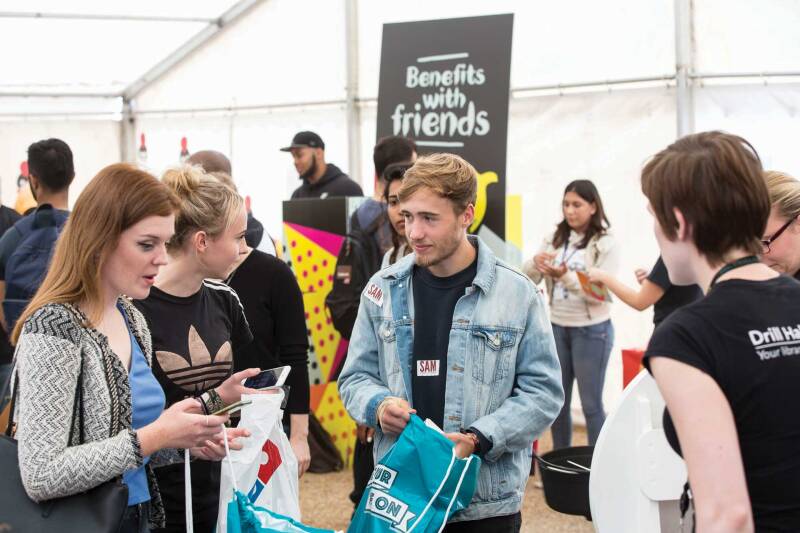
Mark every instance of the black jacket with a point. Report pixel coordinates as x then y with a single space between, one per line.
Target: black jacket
333 183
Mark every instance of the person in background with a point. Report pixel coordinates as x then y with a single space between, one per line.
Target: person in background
393 176
273 305
727 365
655 289
388 151
80 332
581 323
781 240
198 325
320 179
213 162
51 172
466 303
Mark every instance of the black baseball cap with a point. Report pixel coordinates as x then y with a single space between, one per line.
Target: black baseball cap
305 139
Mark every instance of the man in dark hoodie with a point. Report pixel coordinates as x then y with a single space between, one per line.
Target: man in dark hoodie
320 179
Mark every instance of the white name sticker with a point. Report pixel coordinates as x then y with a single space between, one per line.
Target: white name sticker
428 368
374 294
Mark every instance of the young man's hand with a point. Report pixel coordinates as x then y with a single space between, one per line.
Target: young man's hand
393 415
465 446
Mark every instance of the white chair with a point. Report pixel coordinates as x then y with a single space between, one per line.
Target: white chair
636 477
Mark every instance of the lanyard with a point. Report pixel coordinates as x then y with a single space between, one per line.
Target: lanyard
564 257
743 261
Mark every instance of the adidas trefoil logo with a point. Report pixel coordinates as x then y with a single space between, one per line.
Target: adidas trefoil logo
201 372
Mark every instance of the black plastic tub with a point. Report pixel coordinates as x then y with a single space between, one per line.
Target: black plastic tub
566 486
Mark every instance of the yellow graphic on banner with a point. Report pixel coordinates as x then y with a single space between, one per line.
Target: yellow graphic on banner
514 220
482 199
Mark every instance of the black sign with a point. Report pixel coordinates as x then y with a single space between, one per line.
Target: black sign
445 84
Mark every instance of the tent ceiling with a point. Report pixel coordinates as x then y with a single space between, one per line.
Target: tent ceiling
48 52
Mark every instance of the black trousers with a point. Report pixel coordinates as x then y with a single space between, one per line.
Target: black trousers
363 465
496 524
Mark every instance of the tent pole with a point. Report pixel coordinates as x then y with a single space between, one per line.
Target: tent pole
353 112
233 14
127 133
684 63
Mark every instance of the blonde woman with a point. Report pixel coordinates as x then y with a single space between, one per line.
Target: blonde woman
781 241
197 325
79 334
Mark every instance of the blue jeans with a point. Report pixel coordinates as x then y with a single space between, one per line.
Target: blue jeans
583 352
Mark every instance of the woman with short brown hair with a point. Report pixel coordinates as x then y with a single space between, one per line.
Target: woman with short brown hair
727 365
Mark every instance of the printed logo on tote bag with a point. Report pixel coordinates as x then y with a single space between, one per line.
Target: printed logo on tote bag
389 508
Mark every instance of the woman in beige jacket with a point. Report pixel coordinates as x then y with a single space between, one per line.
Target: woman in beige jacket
581 322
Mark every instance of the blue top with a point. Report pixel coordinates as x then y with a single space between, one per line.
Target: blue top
148 401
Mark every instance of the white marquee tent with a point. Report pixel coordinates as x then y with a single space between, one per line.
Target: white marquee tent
596 87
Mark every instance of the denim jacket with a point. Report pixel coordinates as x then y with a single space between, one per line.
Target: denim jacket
503 376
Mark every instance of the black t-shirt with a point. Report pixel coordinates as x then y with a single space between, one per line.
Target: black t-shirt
675 296
194 342
434 302
273 305
746 336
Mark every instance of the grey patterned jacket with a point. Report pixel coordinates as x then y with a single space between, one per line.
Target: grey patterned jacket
48 356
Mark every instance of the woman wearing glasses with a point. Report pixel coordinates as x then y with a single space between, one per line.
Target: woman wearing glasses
781 240
727 365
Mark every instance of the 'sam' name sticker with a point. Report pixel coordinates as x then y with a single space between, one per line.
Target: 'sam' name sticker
428 367
374 294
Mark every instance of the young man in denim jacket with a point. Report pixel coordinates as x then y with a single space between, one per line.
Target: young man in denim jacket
453 334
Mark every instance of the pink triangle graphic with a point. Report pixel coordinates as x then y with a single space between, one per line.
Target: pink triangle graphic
330 241
341 353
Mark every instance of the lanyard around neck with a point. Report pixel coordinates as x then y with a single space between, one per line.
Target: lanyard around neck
742 261
564 256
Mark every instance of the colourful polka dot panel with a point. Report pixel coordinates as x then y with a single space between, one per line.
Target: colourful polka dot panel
329 410
312 254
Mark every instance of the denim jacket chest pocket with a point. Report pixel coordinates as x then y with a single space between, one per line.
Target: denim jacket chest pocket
387 334
492 351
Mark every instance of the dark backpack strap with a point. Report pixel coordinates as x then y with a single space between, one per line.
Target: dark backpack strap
43 217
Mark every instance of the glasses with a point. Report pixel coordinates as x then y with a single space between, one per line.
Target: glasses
765 243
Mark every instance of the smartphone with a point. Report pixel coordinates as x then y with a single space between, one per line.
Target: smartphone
274 377
232 408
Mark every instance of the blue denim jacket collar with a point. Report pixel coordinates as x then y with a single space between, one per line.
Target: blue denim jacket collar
484 278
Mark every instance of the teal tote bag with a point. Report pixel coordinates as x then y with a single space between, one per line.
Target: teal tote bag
417 486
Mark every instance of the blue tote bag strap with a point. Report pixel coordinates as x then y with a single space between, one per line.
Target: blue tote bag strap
457 489
446 476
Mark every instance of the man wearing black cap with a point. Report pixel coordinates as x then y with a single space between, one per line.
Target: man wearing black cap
320 179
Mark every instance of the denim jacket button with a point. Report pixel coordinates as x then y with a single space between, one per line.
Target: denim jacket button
496 340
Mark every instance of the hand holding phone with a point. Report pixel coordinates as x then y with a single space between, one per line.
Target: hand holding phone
273 377
232 408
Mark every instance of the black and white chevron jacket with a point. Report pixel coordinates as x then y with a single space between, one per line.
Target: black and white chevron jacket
47 360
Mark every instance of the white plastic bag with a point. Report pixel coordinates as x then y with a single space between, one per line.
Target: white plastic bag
265 469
